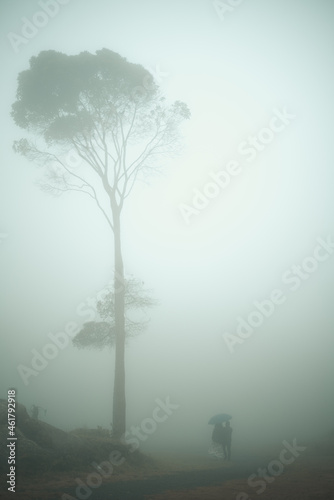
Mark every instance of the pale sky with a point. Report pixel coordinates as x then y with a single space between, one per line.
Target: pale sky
263 59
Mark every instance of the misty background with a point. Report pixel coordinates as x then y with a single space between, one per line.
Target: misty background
56 253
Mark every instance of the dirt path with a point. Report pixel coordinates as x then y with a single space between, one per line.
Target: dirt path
310 477
141 489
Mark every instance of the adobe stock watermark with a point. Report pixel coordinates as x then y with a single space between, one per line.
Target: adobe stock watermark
293 278
156 75
148 426
31 27
60 340
94 479
223 8
275 468
69 161
250 149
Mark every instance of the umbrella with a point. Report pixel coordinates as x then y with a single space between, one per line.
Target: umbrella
219 418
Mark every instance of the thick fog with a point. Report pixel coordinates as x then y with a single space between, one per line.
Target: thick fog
234 237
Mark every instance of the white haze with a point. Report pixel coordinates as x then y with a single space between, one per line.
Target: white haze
233 74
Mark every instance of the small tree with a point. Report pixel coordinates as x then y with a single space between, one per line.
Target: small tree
102 333
111 114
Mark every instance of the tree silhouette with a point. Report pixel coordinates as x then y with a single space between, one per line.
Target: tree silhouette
112 115
102 334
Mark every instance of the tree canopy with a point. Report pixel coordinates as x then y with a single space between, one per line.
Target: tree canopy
109 110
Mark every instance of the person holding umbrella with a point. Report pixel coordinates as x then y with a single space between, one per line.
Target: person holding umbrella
221 436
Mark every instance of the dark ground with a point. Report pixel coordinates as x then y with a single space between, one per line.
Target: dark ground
50 462
309 478
182 480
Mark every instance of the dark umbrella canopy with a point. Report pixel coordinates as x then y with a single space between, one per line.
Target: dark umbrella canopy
219 418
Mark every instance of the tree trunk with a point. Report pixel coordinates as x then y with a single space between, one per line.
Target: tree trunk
119 292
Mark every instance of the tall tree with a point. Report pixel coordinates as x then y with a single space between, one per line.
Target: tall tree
111 113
